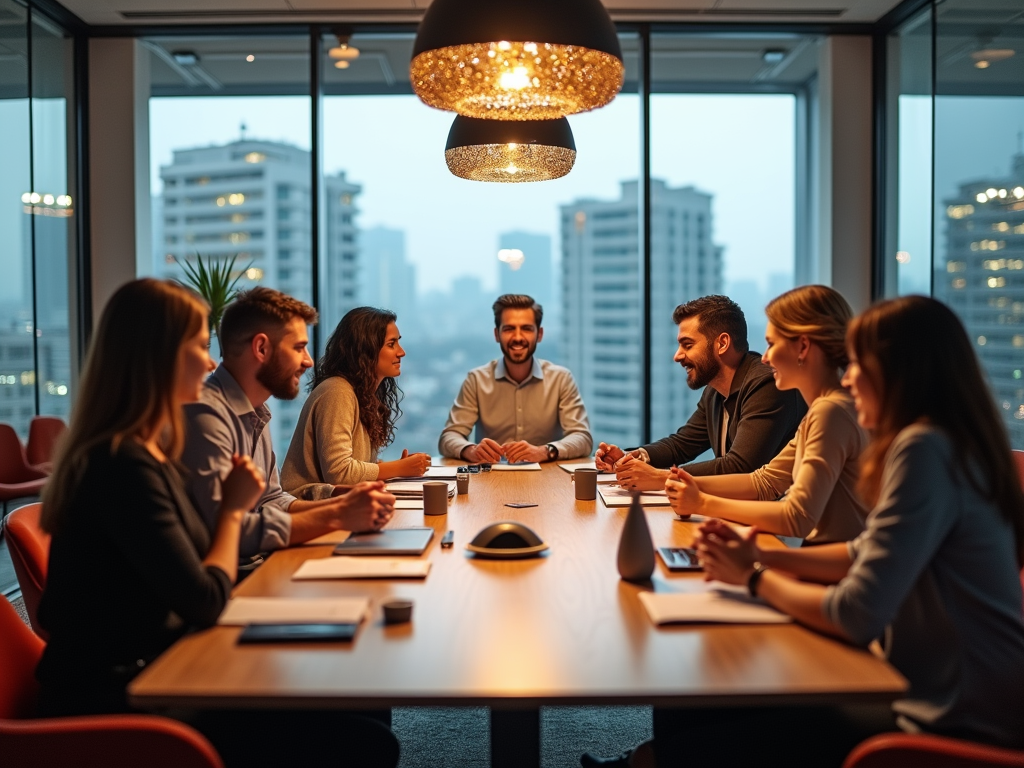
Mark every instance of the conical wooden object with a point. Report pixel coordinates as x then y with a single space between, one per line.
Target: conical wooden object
636 550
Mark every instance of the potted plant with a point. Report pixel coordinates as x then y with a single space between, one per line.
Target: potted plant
212 280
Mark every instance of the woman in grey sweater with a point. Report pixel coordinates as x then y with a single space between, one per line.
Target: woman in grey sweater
936 575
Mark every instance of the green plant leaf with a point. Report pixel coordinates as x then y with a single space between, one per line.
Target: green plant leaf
212 279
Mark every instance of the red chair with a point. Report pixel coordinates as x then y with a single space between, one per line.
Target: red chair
1018 458
43 433
910 750
30 552
113 741
17 479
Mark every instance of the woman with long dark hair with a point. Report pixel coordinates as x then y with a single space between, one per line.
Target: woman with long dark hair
350 414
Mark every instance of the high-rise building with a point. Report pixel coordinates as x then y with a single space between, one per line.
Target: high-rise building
601 303
388 279
982 279
250 200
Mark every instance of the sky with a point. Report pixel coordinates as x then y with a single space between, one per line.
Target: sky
738 148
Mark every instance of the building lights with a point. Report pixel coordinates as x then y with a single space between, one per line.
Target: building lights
46 204
903 257
996 282
250 58
254 273
982 341
960 211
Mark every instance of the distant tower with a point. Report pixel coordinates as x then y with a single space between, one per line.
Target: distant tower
601 303
982 279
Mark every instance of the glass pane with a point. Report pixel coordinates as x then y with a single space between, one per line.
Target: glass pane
909 158
426 243
17 370
230 166
723 143
979 189
53 223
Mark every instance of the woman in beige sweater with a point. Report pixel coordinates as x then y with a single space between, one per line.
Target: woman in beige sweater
352 407
809 489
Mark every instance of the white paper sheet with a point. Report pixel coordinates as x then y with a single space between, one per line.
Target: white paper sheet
570 468
721 605
294 610
431 473
515 467
363 568
614 496
415 487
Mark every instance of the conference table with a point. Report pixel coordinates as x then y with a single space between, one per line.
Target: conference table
515 635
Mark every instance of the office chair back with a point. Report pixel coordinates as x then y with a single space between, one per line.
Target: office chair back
113 741
912 750
14 466
30 552
43 433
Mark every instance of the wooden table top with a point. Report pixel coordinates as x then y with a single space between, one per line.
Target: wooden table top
560 629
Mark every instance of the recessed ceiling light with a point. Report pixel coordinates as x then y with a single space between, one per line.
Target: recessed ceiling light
986 57
341 64
250 57
185 58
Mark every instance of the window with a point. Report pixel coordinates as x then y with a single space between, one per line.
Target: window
723 210
234 136
428 242
37 218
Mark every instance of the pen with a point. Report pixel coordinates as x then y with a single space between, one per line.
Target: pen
448 540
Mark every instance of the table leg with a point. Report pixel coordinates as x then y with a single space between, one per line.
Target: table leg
515 738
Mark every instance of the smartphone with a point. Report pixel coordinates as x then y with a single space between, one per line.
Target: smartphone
680 558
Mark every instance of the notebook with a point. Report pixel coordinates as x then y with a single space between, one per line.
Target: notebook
722 605
614 496
362 568
391 541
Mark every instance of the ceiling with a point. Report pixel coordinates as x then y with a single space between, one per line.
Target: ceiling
119 12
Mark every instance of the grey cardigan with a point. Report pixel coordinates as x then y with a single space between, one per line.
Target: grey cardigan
935 576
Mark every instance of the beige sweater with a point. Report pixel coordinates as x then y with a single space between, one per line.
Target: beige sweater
818 472
330 444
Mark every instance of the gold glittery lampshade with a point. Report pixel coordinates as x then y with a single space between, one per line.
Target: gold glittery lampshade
510 151
524 60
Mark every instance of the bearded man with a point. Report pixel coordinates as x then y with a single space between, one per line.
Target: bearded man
263 339
523 408
741 415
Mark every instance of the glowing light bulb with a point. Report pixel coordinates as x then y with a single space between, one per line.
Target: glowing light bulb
341 64
982 64
515 80
48 199
511 168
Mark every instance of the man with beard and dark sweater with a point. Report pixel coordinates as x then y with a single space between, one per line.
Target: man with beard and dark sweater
741 415
263 340
524 409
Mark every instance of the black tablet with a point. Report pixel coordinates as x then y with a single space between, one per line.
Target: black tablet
297 633
390 541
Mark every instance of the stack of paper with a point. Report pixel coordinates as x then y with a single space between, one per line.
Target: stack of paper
723 605
521 466
362 568
413 489
431 473
615 496
294 610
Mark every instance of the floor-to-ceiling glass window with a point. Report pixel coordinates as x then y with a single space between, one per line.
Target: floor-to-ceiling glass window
37 208
231 171
723 185
17 368
979 188
438 249
907 265
53 215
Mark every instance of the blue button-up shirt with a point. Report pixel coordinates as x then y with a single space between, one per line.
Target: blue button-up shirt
220 425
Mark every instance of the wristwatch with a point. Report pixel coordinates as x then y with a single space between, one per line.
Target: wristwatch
552 452
755 578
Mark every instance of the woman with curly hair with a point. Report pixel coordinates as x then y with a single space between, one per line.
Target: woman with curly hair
352 408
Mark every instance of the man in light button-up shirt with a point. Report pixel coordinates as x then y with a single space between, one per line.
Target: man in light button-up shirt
523 408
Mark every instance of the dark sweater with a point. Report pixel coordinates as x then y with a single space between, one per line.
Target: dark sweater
761 421
125 580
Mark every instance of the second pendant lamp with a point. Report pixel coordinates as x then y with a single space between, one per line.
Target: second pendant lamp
510 151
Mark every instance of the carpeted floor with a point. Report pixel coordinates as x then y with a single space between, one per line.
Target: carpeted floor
458 738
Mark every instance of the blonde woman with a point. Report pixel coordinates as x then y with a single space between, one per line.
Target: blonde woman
809 489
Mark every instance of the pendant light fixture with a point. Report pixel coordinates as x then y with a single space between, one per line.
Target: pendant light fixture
510 151
523 60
